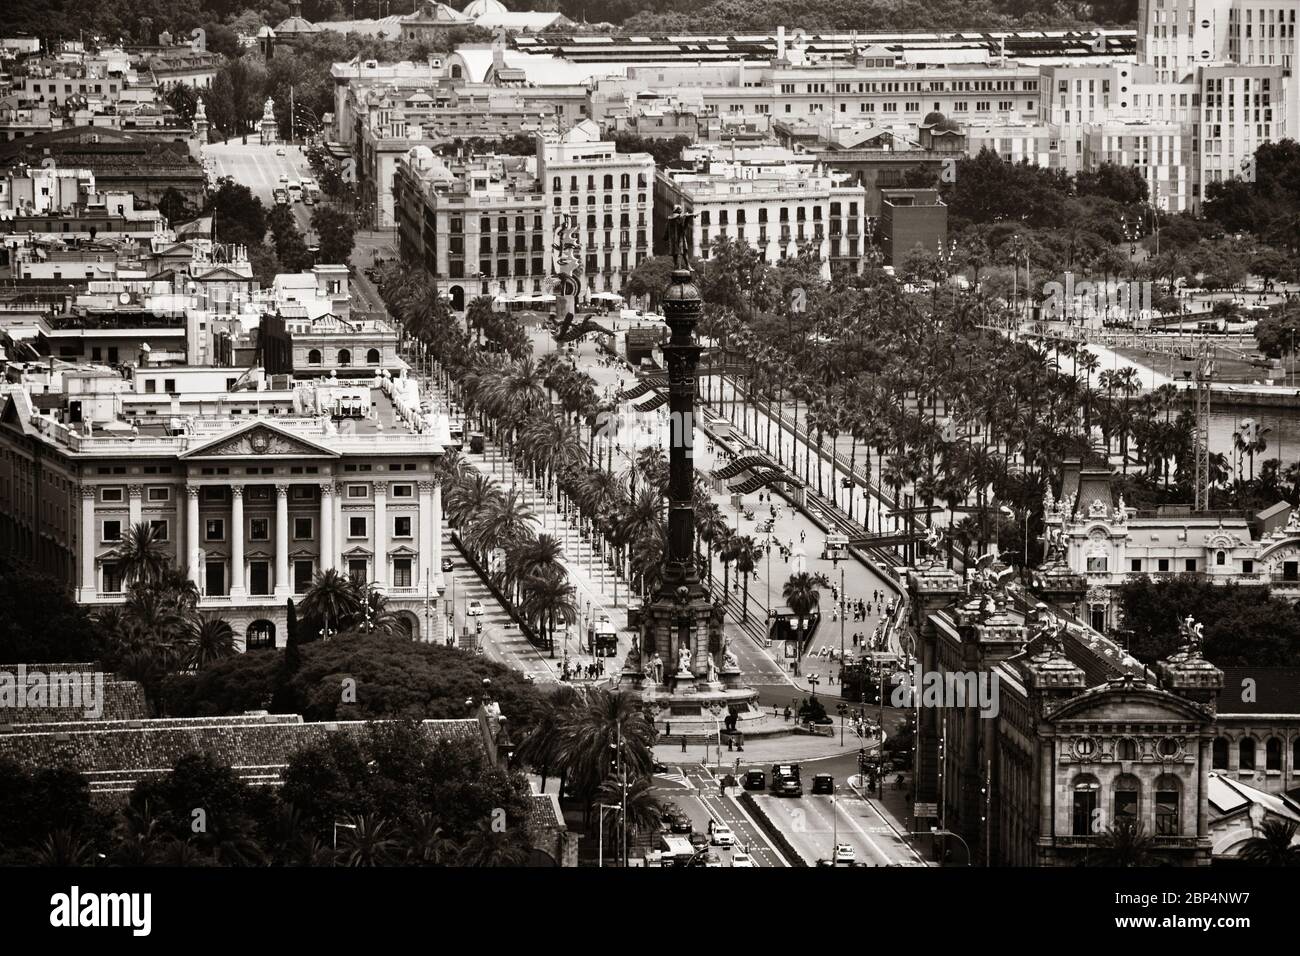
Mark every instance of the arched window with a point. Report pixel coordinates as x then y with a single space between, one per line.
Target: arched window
1169 791
455 69
1126 748
345 357
1219 754
1128 790
313 357
625 181
1273 753
1086 789
1246 753
609 181
372 357
555 183
1220 558
640 180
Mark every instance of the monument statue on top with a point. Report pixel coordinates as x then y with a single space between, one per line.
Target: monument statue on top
680 235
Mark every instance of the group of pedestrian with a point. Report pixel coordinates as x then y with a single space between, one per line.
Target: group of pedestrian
578 671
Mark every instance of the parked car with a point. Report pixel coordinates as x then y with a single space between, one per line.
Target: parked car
710 859
844 855
743 859
475 609
699 840
720 834
279 151
448 564
823 783
660 767
755 780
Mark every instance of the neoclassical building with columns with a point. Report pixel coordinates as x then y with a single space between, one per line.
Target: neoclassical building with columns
252 506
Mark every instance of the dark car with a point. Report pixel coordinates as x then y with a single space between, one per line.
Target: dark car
447 564
660 767
677 821
755 780
787 785
699 840
823 783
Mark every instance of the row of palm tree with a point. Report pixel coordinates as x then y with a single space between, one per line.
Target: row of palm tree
138 838
598 743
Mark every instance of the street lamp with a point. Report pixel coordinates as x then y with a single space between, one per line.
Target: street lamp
842 709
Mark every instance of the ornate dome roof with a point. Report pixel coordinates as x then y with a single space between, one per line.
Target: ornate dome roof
932 119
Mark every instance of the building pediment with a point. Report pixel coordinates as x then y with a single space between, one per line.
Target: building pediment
260 439
405 551
1138 703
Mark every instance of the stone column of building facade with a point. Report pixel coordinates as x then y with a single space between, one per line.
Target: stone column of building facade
379 574
1046 792
437 526
237 541
179 538
283 586
427 569
134 496
326 531
192 531
89 540
338 543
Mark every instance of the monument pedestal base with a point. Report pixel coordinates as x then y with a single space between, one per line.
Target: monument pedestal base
687 710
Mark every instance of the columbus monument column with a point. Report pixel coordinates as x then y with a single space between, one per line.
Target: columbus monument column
680 628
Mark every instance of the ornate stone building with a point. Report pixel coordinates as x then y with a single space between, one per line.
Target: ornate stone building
1096 536
1079 737
252 509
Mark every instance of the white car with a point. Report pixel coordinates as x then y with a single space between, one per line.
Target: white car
844 855
720 834
475 609
279 151
743 859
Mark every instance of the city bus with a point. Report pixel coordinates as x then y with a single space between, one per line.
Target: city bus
603 638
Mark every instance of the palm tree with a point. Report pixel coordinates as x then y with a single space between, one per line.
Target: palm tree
644 808
1275 845
545 600
589 737
210 639
331 601
63 847
540 749
747 553
142 555
367 841
1126 844
490 847
424 842
503 520
801 595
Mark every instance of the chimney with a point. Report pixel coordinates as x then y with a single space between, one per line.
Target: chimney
780 43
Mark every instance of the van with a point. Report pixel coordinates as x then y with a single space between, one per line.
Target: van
675 850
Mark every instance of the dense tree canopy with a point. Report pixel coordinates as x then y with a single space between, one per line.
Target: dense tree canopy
39 622
395 677
1243 625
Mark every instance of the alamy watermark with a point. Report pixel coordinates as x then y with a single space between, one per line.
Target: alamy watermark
26 688
1106 298
948 689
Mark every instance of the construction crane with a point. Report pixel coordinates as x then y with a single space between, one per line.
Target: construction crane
1204 376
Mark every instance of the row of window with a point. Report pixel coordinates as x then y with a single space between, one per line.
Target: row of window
259 529
344 357
259 578
624 182
1247 749
1126 792
1100 563
114 494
